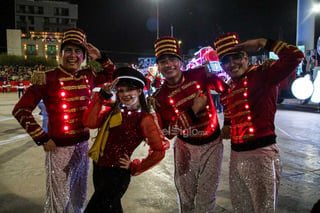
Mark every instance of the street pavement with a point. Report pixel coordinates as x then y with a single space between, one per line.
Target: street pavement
22 174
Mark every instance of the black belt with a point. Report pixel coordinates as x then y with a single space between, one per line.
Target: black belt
254 144
198 142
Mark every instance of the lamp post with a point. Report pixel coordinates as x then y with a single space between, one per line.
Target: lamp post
157 3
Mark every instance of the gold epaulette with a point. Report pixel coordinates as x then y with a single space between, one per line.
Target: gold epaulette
267 63
38 78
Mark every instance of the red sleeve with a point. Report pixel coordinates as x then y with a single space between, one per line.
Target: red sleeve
93 116
106 74
157 144
289 59
22 111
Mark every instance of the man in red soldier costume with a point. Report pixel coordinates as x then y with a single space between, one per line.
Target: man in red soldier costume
187 111
249 109
66 92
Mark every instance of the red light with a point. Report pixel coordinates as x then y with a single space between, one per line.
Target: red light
245 94
87 81
65 128
65 117
176 110
207 106
198 86
89 90
61 83
212 125
245 83
251 130
249 118
171 101
64 106
210 115
62 94
246 106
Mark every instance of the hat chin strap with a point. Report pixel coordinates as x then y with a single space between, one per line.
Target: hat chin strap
129 106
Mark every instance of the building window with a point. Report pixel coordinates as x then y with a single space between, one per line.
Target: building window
46 20
64 11
56 11
31 19
31 9
21 8
51 50
65 21
23 19
40 10
31 49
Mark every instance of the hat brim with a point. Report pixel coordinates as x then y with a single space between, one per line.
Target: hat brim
80 45
230 53
168 54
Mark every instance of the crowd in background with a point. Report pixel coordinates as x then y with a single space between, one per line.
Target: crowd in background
14 73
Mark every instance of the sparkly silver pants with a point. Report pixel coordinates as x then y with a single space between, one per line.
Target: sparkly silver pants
255 180
67 177
197 173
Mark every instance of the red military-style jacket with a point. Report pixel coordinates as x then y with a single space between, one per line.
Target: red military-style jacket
66 96
250 103
133 127
174 106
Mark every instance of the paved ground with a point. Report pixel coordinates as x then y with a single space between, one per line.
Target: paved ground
22 176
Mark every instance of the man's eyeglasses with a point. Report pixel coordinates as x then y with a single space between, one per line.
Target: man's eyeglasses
234 57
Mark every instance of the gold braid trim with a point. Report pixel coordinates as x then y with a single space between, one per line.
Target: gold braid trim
200 125
243 137
39 131
71 78
38 78
182 101
78 98
21 110
74 132
78 87
267 63
183 120
75 109
240 125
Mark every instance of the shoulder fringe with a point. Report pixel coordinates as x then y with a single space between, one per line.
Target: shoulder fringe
38 78
267 63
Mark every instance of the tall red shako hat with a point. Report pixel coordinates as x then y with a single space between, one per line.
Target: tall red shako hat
224 44
75 36
167 45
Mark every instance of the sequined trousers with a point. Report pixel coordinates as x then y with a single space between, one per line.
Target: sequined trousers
197 173
67 178
255 179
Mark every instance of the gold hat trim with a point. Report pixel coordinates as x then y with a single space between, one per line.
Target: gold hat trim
75 31
166 46
226 50
165 41
226 44
223 39
167 50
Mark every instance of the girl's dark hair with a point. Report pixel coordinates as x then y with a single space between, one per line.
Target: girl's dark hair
143 103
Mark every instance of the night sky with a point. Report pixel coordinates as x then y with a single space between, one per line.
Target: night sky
128 27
